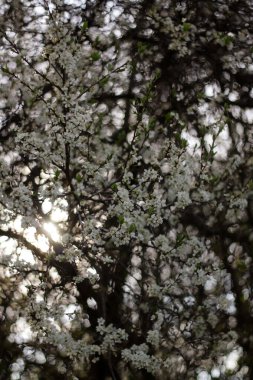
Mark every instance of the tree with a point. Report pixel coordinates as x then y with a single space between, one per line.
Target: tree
126 189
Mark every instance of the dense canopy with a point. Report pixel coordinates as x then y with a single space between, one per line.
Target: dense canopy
126 189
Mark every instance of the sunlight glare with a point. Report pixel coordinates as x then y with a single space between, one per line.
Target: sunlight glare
58 215
231 360
52 231
46 206
27 256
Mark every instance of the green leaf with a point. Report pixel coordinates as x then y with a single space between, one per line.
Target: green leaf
92 101
142 47
5 69
114 187
158 74
250 185
95 56
79 178
227 40
214 180
186 26
151 124
151 210
132 228
169 116
120 137
104 81
57 174
121 219
240 264
202 131
200 95
85 25
97 41
181 141
173 93
109 156
180 239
